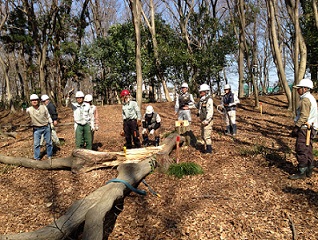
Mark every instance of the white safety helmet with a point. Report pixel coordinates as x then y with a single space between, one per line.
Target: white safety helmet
204 87
44 97
227 86
79 94
185 85
88 98
149 109
306 82
34 97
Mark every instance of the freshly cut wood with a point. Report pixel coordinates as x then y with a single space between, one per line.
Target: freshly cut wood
96 211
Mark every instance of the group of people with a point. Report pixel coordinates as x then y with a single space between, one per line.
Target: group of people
44 119
305 129
132 120
185 102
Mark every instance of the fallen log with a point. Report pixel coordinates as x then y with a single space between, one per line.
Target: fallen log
91 209
79 161
163 159
96 211
83 160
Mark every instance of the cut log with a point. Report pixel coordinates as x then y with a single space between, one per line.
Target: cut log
96 211
163 159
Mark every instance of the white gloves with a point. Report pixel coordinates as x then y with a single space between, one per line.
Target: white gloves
144 130
205 122
152 131
96 127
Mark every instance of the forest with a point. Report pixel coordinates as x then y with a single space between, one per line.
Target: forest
151 47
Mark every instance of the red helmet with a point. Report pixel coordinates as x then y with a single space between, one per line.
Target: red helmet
124 93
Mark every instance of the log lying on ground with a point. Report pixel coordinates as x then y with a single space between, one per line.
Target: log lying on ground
163 159
96 210
83 160
91 209
77 162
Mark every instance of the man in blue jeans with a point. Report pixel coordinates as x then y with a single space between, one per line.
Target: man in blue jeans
41 123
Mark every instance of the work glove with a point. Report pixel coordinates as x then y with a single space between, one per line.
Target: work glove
92 128
205 122
144 130
294 132
96 127
152 131
139 122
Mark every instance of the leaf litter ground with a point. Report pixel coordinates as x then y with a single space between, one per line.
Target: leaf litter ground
244 192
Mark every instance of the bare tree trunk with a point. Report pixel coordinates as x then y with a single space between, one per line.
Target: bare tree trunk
135 8
5 68
276 51
5 64
243 41
41 63
314 6
300 49
152 28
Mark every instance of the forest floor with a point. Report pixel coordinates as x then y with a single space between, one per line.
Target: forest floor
244 192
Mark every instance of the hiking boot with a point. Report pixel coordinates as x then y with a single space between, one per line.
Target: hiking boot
228 130
310 169
208 149
234 129
300 175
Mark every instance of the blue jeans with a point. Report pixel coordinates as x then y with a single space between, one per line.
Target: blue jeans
37 132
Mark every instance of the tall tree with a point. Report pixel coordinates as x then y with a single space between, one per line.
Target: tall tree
300 49
135 8
276 50
4 61
152 29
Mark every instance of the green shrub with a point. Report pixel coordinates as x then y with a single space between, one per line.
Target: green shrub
186 168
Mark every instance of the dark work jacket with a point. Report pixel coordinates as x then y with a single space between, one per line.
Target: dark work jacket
52 111
227 100
150 122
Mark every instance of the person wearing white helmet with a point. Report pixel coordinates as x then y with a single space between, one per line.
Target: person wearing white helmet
93 112
151 124
205 114
184 102
41 122
228 104
83 120
53 113
306 119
